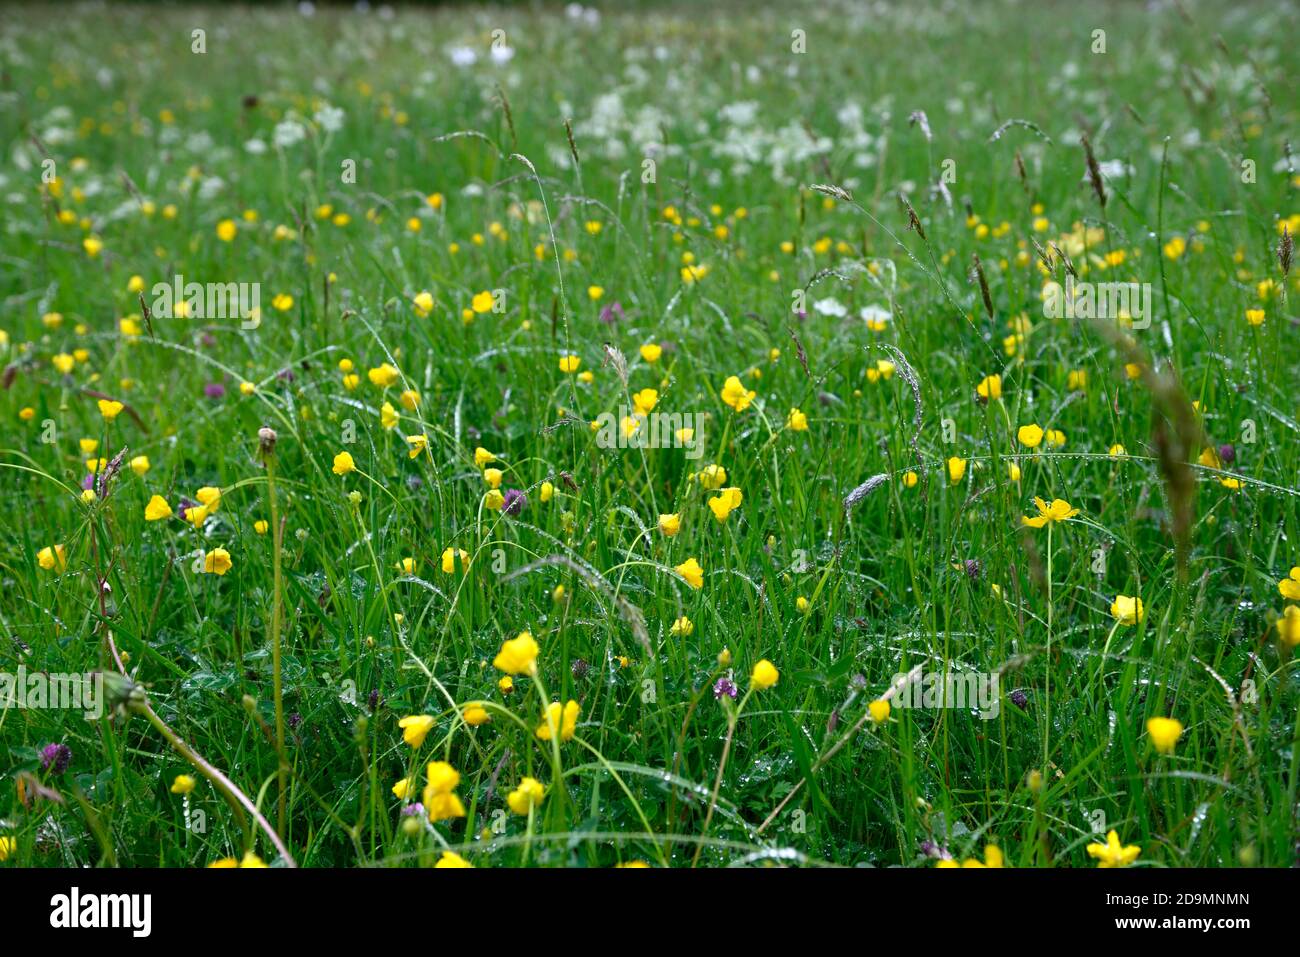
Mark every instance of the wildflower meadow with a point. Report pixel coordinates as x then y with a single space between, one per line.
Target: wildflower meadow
649 435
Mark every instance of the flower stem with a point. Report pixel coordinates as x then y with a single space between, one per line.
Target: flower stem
732 720
277 547
1047 693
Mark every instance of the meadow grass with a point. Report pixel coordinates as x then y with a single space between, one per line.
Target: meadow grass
852 209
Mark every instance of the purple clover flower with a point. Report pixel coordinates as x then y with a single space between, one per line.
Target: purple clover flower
56 758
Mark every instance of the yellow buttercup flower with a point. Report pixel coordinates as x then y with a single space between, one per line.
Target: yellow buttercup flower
1290 586
210 496
383 375
670 524
109 408
450 859
1126 610
797 421
157 509
474 714
449 556
439 798
52 557
518 655
992 858
651 352
140 464
736 395
528 795
1164 733
682 627
418 444
1030 435
692 572
1288 626
764 675
879 710
645 401
8 846
482 457
1058 511
990 387
494 500
182 784
1112 853
712 477
565 720
217 562
724 503
343 463
493 477
415 728
956 469
569 363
